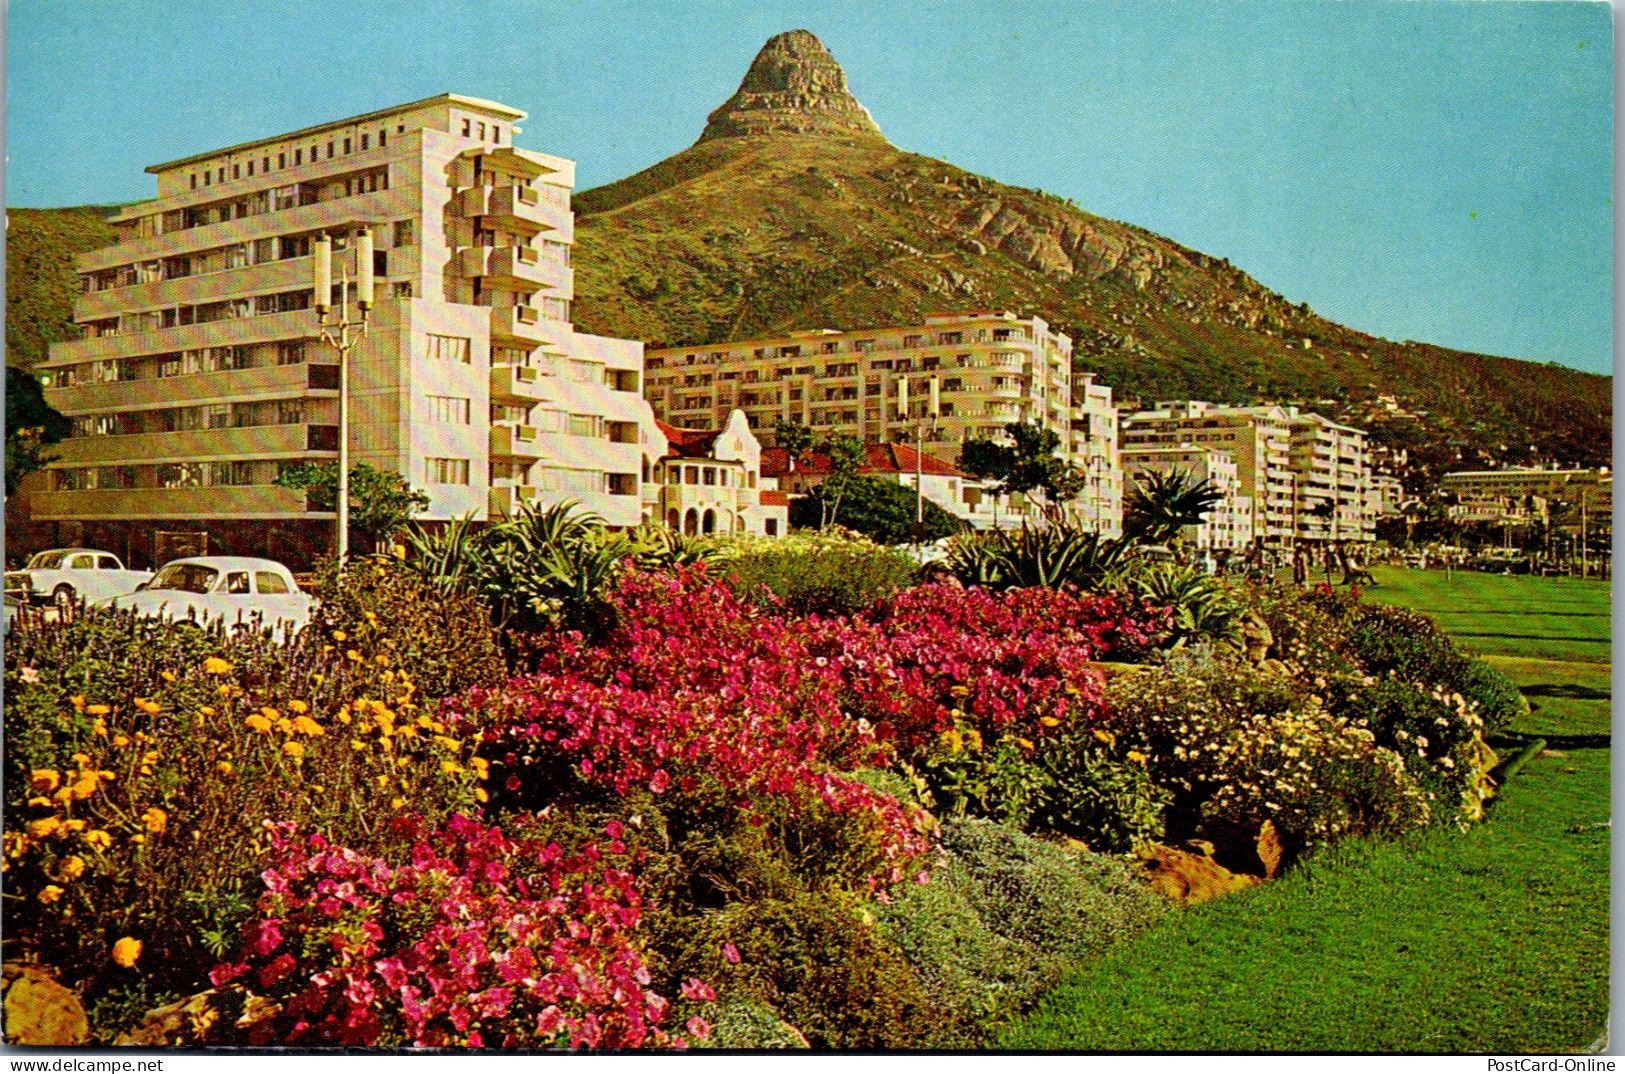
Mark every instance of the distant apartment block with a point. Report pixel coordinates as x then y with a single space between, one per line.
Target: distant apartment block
200 376
1229 523
1518 494
1308 476
983 371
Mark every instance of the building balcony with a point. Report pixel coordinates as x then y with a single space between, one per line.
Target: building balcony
526 327
216 501
520 382
239 282
194 445
520 441
519 209
264 328
516 268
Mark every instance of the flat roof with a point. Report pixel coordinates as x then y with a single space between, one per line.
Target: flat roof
443 98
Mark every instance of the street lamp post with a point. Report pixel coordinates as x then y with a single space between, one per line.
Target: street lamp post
342 334
928 417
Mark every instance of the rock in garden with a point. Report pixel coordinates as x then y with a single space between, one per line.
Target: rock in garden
39 1011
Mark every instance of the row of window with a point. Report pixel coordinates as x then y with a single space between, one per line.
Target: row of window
929 364
186 419
275 199
179 475
224 258
179 363
292 156
202 313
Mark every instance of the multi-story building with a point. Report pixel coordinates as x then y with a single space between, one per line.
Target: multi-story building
200 375
1257 439
1228 524
1332 479
1308 476
1518 494
1095 452
990 369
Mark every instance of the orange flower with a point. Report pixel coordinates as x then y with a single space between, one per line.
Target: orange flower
51 894
126 951
156 820
293 749
147 706
216 666
44 828
96 839
44 780
72 868
298 708
258 723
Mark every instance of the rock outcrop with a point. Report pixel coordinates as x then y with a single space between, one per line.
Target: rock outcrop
794 86
39 1011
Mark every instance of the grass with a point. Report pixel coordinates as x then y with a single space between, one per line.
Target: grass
1493 940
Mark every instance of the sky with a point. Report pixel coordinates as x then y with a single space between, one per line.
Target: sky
1436 170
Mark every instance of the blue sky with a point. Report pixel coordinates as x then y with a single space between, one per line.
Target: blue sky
1438 170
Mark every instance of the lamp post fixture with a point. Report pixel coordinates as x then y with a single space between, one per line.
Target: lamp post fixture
341 333
928 417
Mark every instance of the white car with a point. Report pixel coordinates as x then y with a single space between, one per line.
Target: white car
62 576
235 590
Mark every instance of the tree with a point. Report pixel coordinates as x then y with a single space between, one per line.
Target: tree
1027 464
32 425
381 502
796 439
1161 505
846 455
880 510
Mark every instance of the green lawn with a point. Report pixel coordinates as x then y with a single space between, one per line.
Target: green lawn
1493 940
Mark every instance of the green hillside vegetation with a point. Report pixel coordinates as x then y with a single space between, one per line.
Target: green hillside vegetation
745 236
40 280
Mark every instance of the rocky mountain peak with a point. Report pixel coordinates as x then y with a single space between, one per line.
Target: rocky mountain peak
794 86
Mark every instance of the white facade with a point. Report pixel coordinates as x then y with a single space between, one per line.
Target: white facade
1229 524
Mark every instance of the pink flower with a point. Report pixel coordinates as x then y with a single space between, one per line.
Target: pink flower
731 953
699 1027
697 990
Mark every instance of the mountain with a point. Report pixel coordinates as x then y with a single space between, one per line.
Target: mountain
793 211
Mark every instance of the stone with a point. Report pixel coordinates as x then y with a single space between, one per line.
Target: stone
1270 850
200 1019
41 1012
1191 878
793 86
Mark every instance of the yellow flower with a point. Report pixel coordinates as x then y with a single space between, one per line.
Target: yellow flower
258 723
39 802
298 708
207 710
51 894
225 768
120 741
480 795
74 825
351 654
99 710
397 802
339 635
138 839
451 768
357 744
1106 736
293 749
126 951
382 781
96 839
1137 757
99 728
44 780
148 706
447 743
44 827
85 785
167 676
381 660
318 678
1049 721
72 868
216 666
156 820
307 726
1025 744
78 701
81 759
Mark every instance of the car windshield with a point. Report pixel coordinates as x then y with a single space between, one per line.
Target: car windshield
46 561
187 577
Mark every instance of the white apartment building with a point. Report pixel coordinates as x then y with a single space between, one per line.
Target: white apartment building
1229 523
976 372
1308 476
201 375
1505 495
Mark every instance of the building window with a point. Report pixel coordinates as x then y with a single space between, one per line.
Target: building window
403 233
451 349
281 161
468 127
496 134
364 139
346 146
194 180
250 167
447 471
298 157
449 409
403 289
583 425
383 138
236 171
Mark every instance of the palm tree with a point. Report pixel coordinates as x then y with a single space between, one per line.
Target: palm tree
1161 504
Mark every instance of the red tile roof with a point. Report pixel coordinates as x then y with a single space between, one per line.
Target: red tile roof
689 443
880 459
774 498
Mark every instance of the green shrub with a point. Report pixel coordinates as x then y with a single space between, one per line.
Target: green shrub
750 1024
819 962
1203 606
386 608
1409 645
830 576
1106 799
1061 554
1310 633
882 511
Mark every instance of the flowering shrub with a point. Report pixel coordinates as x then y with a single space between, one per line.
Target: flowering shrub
477 939
1392 641
1237 747
806 574
142 756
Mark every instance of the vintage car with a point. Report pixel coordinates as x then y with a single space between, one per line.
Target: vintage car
65 575
239 591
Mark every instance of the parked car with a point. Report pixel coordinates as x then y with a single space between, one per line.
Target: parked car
235 590
62 576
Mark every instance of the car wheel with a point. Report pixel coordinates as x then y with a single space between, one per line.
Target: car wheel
62 596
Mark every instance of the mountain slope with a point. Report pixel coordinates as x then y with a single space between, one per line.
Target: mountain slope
40 281
781 217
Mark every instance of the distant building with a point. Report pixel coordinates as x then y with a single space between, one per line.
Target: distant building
1331 479
1520 494
711 482
1229 524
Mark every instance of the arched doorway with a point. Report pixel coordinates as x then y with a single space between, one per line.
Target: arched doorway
691 521
674 521
710 525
